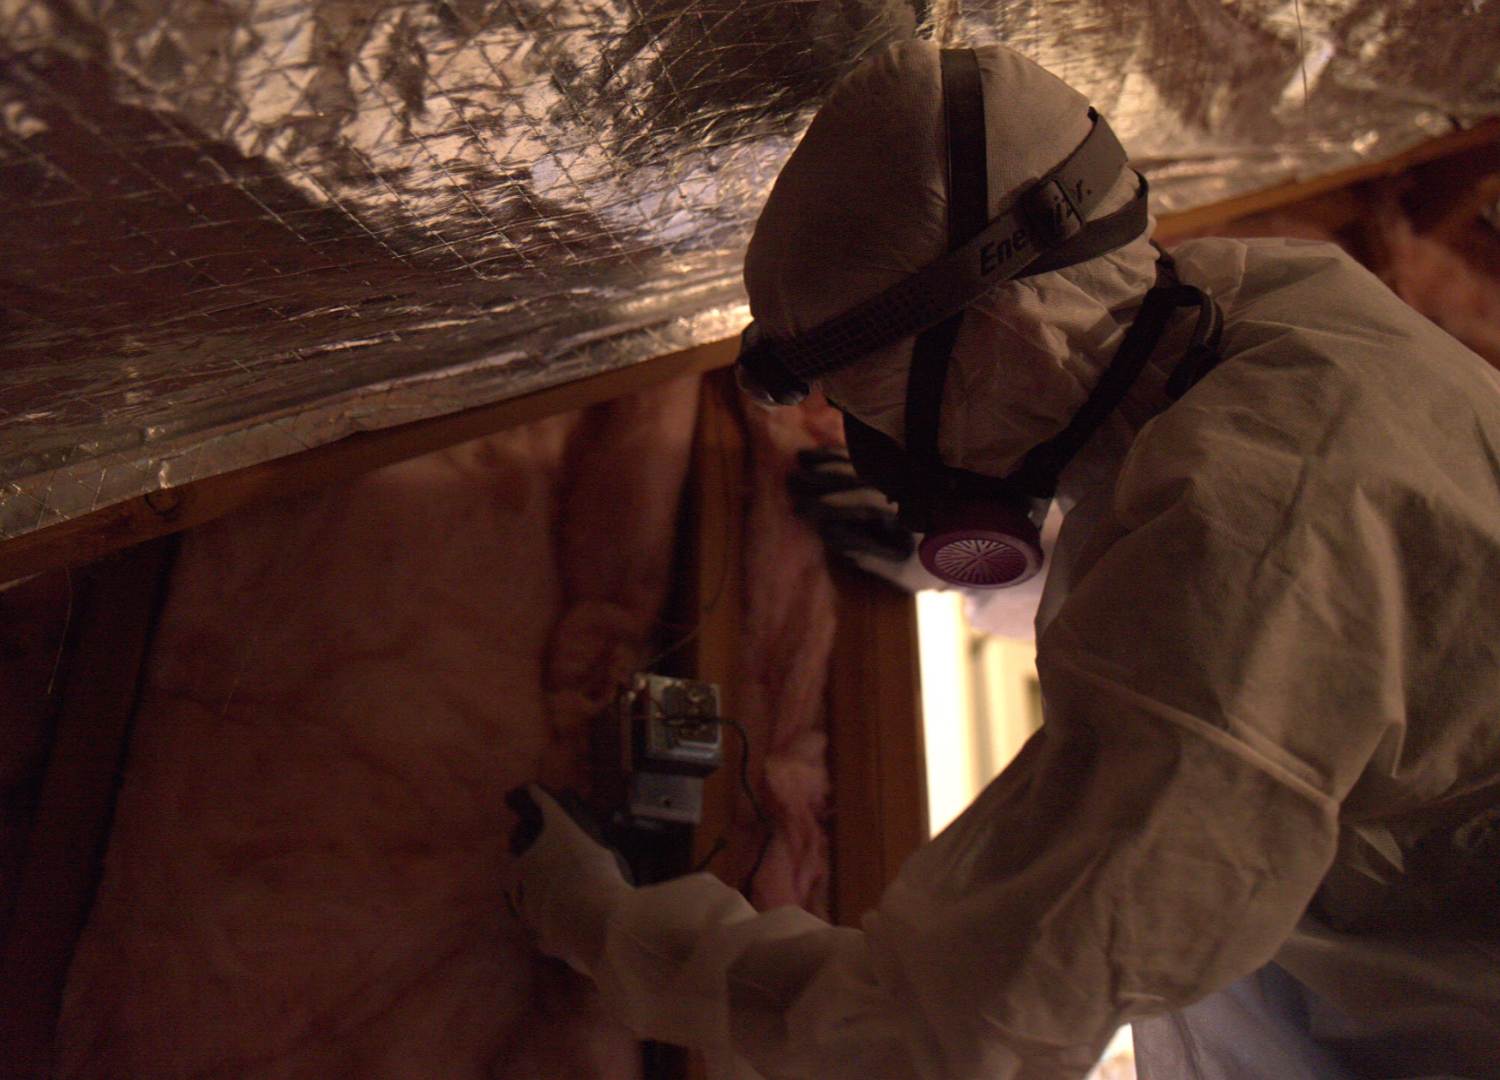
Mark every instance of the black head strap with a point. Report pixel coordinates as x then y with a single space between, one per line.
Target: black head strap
1205 349
968 168
1039 470
968 211
1047 227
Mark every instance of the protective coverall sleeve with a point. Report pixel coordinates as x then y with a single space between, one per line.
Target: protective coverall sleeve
1063 902
1158 839
764 996
1215 684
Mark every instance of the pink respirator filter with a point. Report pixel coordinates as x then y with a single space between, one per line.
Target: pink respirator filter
994 547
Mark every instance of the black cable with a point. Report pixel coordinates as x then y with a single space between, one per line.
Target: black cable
761 817
723 576
719 845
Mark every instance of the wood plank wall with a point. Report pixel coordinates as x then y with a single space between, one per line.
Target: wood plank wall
716 510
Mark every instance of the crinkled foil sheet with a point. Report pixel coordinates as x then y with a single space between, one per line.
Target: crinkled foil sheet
236 230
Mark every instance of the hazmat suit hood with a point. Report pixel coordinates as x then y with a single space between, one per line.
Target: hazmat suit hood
862 204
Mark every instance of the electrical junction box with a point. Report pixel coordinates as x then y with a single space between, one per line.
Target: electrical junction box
676 739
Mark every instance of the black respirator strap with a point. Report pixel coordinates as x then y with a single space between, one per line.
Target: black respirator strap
916 490
968 210
1205 349
1039 470
968 167
1050 214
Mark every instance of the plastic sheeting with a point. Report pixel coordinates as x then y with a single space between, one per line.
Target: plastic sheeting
237 230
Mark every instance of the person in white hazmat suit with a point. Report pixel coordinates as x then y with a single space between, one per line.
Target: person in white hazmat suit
1262 818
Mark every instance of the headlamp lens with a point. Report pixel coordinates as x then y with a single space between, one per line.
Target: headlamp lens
764 377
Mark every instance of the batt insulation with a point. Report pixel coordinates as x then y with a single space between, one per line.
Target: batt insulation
234 231
303 877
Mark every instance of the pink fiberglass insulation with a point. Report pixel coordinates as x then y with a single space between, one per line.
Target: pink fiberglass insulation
1451 276
789 627
1447 271
303 875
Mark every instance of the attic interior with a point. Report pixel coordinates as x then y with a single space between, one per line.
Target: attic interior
367 434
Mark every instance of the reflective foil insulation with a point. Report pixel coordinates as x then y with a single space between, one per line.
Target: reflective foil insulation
237 230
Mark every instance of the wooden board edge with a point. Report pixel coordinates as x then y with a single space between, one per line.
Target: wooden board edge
81 540
1173 226
717 521
876 760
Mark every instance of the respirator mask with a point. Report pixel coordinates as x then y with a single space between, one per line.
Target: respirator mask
980 531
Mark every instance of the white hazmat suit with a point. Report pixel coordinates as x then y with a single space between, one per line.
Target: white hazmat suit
1269 650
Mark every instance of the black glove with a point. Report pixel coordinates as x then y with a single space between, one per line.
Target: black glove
854 519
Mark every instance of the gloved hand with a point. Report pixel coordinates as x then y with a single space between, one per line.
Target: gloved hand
855 520
563 885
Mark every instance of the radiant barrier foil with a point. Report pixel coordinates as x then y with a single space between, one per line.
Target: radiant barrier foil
236 230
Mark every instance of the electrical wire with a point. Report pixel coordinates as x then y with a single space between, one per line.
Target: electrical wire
760 815
696 627
761 818
1302 63
62 641
713 853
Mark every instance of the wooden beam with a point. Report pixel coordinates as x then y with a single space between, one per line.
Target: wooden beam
717 521
879 770
1173 226
65 851
83 539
